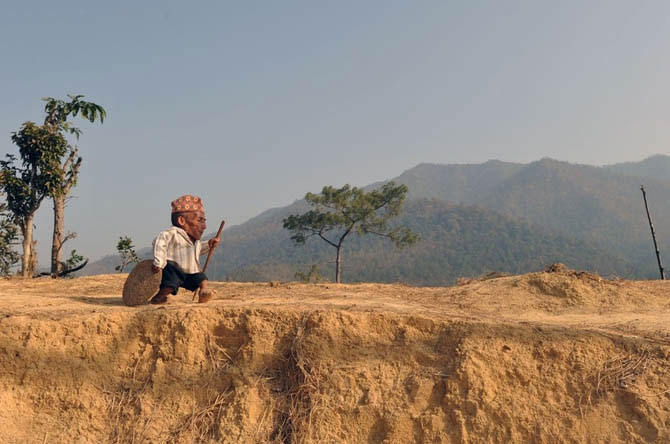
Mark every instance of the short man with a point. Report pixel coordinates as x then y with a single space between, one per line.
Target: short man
177 251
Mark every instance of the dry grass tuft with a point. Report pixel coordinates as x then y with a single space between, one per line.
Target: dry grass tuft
301 404
619 373
202 425
616 374
219 359
124 409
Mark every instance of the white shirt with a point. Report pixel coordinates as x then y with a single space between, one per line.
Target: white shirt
174 244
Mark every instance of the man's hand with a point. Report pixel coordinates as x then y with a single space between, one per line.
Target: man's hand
155 269
213 243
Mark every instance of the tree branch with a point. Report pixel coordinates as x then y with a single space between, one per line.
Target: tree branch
69 236
389 235
346 233
327 240
384 203
66 272
71 177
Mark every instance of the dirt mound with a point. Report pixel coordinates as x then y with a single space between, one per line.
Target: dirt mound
559 290
543 357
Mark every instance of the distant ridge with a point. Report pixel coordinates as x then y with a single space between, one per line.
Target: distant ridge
467 183
599 204
589 217
656 167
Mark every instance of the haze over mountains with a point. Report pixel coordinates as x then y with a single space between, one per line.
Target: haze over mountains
474 219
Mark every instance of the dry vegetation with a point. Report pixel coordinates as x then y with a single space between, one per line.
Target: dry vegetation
559 356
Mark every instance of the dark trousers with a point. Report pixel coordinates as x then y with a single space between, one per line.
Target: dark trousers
174 277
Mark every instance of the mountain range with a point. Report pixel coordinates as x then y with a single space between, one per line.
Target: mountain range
474 219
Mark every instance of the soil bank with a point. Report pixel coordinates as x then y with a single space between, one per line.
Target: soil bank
540 358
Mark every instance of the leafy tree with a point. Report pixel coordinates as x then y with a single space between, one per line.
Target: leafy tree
8 238
58 112
339 212
126 248
28 182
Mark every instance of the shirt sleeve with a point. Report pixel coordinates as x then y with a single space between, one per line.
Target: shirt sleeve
160 250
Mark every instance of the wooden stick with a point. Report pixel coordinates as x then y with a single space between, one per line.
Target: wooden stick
209 255
217 237
653 234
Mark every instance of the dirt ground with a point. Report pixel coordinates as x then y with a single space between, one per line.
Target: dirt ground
546 357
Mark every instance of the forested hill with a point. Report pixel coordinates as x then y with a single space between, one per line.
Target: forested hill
510 217
456 241
457 183
600 204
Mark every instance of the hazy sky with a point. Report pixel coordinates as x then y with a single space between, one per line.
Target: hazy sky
252 104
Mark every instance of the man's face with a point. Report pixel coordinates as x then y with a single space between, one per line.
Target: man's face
194 223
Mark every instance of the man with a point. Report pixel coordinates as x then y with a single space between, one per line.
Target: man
177 251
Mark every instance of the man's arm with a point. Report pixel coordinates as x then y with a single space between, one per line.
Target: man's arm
160 252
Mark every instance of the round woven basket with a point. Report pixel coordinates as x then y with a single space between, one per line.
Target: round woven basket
142 283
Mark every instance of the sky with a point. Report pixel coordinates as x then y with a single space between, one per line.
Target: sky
252 104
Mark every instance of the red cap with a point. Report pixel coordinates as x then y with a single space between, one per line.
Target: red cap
187 203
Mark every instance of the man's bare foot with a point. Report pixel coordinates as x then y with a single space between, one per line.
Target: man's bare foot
205 296
159 299
162 296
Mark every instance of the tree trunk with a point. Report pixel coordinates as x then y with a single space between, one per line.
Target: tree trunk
26 259
33 260
57 242
338 265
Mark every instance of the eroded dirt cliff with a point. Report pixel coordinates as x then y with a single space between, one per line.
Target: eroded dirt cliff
538 358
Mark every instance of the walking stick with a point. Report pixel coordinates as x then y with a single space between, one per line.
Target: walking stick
209 255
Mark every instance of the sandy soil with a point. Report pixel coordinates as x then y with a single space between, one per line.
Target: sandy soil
539 358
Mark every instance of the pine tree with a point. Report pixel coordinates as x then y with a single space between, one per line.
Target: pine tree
339 212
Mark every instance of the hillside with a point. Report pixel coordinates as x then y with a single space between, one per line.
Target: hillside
466 183
456 241
546 211
602 205
591 203
559 357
